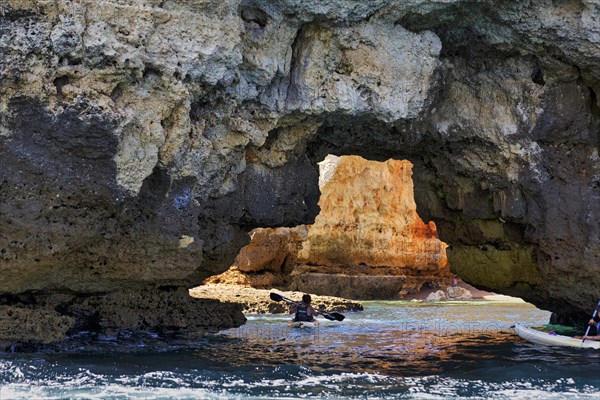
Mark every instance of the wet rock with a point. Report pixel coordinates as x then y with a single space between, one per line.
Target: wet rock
31 324
166 310
36 319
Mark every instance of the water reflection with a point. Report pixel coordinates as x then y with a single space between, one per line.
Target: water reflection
398 338
392 349
395 350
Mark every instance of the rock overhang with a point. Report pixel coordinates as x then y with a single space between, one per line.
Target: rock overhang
219 131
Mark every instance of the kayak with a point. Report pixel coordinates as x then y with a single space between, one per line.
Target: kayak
552 339
303 324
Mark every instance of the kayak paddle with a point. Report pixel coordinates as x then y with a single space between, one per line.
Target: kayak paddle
588 328
330 316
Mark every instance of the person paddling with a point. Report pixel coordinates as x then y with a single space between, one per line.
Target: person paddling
303 311
593 322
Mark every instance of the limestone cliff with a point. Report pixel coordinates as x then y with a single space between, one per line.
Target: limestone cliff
369 217
368 227
367 242
141 140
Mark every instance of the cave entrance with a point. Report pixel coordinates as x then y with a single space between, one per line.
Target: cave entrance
368 242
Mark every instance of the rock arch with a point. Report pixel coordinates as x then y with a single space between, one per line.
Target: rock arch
177 127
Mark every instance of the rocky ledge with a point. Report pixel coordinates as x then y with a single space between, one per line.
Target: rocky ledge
257 301
32 320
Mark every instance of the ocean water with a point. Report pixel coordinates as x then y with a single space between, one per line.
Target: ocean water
394 349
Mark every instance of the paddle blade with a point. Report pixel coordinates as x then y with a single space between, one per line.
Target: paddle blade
337 316
332 316
275 296
329 317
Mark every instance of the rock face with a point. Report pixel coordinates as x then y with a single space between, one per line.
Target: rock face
366 243
360 284
42 318
368 235
267 261
140 141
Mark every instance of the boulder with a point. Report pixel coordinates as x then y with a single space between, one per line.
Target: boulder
436 296
458 293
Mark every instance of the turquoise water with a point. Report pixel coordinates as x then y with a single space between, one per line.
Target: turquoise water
390 350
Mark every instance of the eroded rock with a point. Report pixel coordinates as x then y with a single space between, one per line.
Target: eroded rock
126 127
271 249
368 217
165 310
32 325
368 242
38 319
267 261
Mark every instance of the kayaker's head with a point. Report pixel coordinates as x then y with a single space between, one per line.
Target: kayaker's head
306 299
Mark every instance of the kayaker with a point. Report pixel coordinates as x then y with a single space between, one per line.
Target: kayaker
303 311
593 322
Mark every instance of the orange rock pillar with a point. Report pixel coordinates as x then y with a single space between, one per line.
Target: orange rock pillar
369 218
